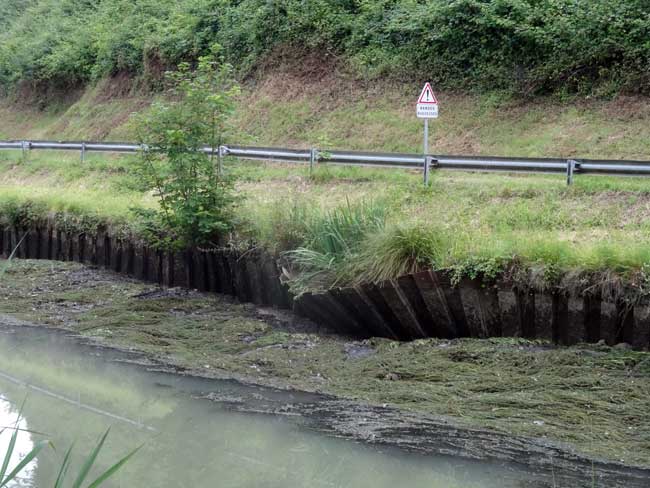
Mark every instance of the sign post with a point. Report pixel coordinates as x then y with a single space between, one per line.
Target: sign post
427 108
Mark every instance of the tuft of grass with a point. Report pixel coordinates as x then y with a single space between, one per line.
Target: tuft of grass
331 239
340 231
396 251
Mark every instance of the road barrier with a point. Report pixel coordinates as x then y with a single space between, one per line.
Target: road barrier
313 156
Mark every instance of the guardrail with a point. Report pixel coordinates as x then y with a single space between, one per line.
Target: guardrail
569 167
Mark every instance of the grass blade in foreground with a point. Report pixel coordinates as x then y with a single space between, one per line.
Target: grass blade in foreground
90 460
24 462
12 442
113 469
64 468
4 268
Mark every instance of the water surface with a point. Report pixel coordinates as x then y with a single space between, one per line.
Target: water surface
74 393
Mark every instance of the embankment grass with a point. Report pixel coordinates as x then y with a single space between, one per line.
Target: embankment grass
346 225
99 189
287 107
383 120
474 223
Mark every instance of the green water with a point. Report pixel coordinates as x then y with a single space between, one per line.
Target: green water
74 393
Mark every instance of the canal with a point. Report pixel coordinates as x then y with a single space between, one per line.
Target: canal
73 392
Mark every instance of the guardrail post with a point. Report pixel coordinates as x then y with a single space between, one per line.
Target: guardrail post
221 152
313 159
570 169
427 162
25 145
83 152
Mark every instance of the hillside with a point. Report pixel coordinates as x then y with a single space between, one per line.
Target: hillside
527 47
515 77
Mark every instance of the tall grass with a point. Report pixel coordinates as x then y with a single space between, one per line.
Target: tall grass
398 250
331 240
48 184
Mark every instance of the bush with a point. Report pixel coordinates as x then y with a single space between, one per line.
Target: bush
524 46
196 200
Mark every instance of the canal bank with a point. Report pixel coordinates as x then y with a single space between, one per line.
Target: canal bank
591 397
440 303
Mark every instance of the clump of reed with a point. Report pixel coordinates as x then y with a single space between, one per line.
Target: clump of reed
330 240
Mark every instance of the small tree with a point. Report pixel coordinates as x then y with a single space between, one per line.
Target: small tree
196 199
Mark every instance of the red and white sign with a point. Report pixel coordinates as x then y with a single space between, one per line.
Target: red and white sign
427 106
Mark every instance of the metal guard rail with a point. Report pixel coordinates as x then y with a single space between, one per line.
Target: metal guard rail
570 167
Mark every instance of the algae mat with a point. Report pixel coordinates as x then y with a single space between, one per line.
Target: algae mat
595 398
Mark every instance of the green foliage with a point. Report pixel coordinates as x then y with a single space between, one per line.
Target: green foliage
485 269
51 42
10 10
196 200
522 46
22 214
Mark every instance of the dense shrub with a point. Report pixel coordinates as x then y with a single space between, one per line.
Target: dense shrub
525 46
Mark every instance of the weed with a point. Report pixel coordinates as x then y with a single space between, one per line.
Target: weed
397 251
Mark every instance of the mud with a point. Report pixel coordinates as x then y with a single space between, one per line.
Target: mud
488 399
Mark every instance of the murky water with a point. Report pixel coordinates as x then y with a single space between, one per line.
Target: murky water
74 393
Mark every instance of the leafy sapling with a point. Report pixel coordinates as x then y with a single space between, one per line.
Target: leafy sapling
182 164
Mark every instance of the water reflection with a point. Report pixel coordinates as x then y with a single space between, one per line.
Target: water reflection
24 444
75 394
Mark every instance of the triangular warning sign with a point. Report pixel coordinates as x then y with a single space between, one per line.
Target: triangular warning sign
427 95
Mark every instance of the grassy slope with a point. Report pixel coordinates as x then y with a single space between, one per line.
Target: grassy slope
290 108
599 223
594 397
